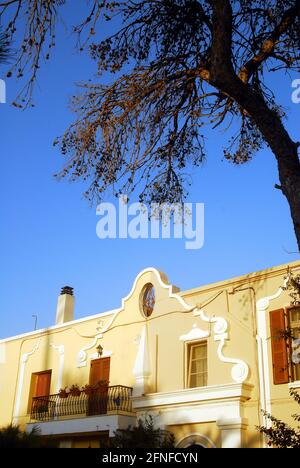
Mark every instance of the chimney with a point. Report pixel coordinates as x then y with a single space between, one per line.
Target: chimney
65 306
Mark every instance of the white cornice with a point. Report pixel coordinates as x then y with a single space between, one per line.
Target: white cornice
43 331
195 395
241 280
195 334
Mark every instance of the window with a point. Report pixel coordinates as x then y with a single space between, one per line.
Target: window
148 300
285 340
197 365
279 347
294 322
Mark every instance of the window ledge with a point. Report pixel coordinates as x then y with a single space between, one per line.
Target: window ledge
294 385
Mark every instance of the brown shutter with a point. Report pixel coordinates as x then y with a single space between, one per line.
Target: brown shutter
43 384
279 347
100 370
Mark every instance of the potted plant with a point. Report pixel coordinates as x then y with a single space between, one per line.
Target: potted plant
63 393
88 389
75 391
102 385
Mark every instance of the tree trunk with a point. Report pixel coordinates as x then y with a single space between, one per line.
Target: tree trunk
222 76
284 148
290 183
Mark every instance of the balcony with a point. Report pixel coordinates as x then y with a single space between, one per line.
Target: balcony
110 401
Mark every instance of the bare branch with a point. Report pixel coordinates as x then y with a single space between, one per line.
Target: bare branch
268 46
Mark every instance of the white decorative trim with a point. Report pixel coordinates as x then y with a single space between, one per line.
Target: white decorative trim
162 280
240 371
105 354
263 353
232 432
195 334
205 395
142 367
195 439
221 325
264 303
26 356
82 356
104 328
61 351
294 385
23 361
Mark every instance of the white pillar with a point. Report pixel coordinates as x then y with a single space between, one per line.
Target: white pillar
233 432
142 368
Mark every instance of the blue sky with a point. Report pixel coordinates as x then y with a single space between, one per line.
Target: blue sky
48 231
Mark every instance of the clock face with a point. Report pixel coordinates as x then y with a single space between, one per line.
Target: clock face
148 300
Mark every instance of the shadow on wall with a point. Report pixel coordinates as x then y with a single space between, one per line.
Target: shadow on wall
247 297
210 439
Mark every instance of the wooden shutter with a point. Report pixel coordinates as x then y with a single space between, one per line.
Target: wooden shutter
279 347
43 384
100 370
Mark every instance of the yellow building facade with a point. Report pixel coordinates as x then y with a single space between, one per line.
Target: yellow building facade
204 363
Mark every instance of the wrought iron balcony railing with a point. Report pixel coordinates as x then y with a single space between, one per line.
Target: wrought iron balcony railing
112 400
